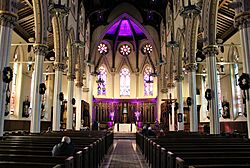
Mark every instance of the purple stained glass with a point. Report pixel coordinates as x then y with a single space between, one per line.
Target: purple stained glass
136 28
113 28
125 29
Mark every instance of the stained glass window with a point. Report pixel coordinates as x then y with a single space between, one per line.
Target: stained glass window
101 81
125 82
148 81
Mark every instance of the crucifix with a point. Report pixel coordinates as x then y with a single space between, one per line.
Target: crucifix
169 101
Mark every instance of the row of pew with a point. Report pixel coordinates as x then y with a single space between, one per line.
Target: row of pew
193 150
34 151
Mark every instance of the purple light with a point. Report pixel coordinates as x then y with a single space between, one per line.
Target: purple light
111 115
134 101
125 29
113 28
139 124
110 124
136 28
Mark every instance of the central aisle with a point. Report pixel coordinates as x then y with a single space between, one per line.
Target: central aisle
124 155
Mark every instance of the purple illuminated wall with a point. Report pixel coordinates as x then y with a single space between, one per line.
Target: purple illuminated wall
126 28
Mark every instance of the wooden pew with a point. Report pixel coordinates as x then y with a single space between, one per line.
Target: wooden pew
188 161
92 147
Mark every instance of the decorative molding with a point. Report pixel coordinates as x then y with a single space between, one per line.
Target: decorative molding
40 49
56 10
164 90
191 67
210 50
79 84
85 89
179 78
8 19
71 77
59 66
170 85
242 20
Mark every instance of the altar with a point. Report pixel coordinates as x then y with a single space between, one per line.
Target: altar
124 128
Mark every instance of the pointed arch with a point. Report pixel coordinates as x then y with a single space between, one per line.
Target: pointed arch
71 52
105 30
232 53
180 53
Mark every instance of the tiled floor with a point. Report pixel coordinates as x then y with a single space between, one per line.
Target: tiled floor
124 154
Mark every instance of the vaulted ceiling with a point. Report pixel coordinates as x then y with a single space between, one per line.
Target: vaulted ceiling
25 24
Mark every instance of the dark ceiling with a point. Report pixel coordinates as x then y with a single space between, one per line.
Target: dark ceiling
25 24
144 6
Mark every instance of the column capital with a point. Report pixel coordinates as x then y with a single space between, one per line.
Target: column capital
179 78
71 77
58 10
8 19
210 50
191 67
170 85
164 90
79 84
58 66
242 20
85 89
40 49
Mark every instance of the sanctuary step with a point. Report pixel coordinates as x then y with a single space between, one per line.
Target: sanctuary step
124 135
124 128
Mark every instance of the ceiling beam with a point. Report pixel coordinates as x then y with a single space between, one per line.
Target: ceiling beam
226 17
21 32
27 18
29 4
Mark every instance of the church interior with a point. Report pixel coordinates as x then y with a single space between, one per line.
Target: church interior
133 83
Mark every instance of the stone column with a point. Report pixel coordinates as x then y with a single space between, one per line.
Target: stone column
7 20
90 96
69 123
192 93
56 102
113 84
211 52
40 52
78 94
49 95
137 84
179 80
58 12
242 20
203 99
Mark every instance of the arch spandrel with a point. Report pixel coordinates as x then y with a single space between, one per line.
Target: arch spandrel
40 8
209 21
